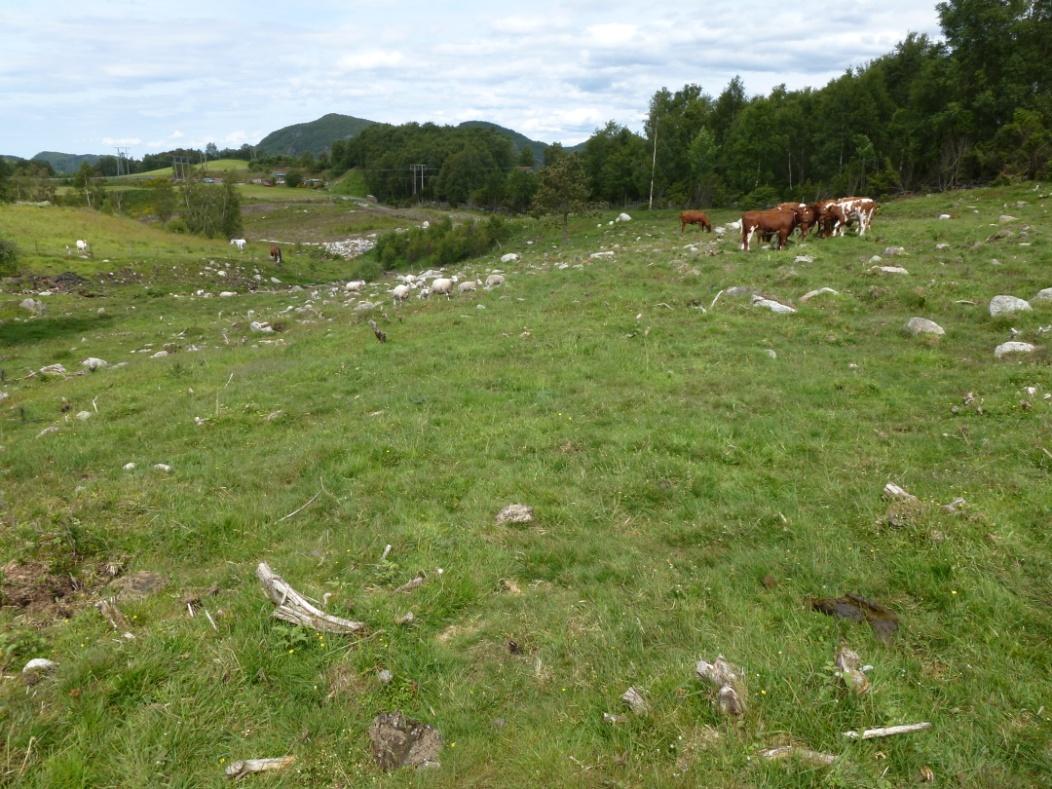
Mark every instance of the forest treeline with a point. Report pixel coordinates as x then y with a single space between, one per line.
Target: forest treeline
968 109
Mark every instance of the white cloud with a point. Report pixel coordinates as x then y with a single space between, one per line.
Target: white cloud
370 59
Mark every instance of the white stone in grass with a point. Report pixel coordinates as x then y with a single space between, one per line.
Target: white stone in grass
1006 348
36 669
917 326
601 255
93 363
364 306
1007 305
226 294
1044 295
894 251
820 292
771 352
53 369
1005 218
623 217
635 701
773 306
803 259
384 676
33 306
509 257
942 246
84 416
515 513
261 327
163 467
159 355
128 467
945 216
889 270
893 491
47 431
876 259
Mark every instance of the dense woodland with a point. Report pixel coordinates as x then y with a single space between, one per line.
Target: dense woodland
970 109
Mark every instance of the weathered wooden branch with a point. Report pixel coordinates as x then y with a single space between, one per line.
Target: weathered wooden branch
245 767
887 731
294 607
805 754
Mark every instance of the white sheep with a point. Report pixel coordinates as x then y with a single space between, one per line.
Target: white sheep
494 280
355 285
401 292
239 243
442 285
83 247
468 285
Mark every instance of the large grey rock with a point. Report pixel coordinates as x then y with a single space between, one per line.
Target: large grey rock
888 270
34 306
36 669
917 326
515 513
1044 295
94 363
1006 218
773 306
1007 305
1006 348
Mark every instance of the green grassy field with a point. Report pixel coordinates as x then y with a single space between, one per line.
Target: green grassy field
215 166
692 492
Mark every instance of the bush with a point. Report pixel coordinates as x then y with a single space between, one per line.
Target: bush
177 225
8 256
441 244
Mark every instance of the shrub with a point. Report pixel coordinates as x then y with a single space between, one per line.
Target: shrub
177 225
8 256
442 243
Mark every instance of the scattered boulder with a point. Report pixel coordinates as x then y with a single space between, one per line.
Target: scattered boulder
398 741
773 306
635 701
1005 218
226 294
942 247
52 369
128 467
93 363
945 216
364 306
1007 305
47 431
820 292
601 255
727 678
1006 348
917 326
37 669
803 259
83 416
1044 295
384 676
159 355
623 217
515 513
33 306
162 467
894 251
260 327
889 270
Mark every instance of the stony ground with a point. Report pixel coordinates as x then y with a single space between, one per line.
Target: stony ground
771 457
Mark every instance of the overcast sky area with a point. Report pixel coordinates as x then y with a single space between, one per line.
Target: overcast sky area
81 77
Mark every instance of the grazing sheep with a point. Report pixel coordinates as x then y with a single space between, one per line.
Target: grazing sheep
83 247
355 285
494 280
401 292
239 243
468 286
443 285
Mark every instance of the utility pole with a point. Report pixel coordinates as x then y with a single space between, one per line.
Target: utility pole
653 167
414 169
122 154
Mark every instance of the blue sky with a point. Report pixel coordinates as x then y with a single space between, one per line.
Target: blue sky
83 77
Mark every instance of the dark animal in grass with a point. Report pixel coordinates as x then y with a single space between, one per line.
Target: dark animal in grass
694 218
380 335
767 224
275 253
806 215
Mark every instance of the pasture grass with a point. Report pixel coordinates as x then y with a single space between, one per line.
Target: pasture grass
673 465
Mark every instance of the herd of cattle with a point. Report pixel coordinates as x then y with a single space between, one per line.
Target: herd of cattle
830 217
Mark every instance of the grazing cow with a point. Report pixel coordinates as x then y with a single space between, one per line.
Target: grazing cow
694 218
806 215
830 217
767 223
857 210
275 253
239 243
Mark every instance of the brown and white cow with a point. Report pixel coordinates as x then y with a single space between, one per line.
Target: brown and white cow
774 222
694 218
806 215
858 210
830 217
275 253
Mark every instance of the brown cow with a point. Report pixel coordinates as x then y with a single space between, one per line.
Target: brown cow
694 218
767 224
275 253
830 217
806 215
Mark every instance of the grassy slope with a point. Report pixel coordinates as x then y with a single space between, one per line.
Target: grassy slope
672 465
214 166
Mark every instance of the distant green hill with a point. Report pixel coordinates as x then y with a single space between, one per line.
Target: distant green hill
520 141
66 163
11 159
313 137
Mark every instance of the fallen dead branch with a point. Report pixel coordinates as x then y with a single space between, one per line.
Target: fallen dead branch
887 731
245 767
108 608
301 508
804 754
294 607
